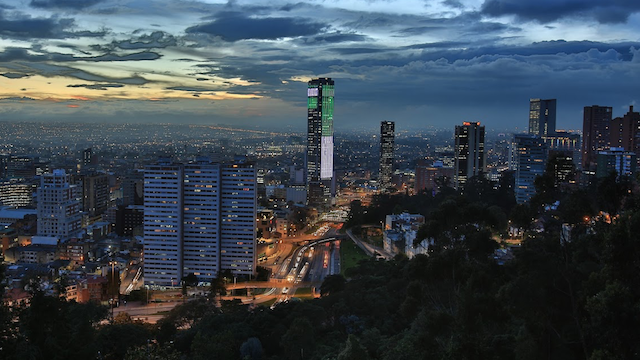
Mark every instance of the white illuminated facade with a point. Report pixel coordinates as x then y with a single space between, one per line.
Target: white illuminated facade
319 155
199 218
58 208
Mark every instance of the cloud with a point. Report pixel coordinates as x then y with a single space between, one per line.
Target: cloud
27 27
17 98
332 38
63 4
546 11
96 86
22 54
157 39
233 26
14 75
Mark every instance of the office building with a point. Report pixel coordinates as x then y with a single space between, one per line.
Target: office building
625 132
58 207
94 190
18 193
529 157
319 155
470 158
432 177
566 144
87 157
616 159
542 117
387 140
596 133
198 218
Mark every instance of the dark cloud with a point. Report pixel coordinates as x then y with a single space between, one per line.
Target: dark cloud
437 45
195 89
17 98
16 54
453 3
27 27
96 86
20 26
545 11
63 4
332 38
157 39
357 50
14 75
233 26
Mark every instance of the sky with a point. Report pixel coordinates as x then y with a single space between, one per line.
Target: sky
421 63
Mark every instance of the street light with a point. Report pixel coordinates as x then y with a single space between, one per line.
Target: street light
113 284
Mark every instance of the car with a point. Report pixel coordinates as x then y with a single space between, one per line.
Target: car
285 290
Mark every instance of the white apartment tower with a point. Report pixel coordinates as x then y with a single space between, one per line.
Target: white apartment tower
198 218
58 208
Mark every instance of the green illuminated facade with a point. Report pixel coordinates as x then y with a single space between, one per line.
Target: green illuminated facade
319 156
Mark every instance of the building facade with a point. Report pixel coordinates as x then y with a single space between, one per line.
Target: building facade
529 158
470 158
198 218
542 117
618 160
595 133
387 141
58 208
625 132
319 155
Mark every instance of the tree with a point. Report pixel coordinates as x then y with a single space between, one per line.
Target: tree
218 287
353 350
251 349
299 341
332 284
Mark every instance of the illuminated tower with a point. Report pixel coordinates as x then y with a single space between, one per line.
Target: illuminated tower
470 156
542 117
387 136
319 156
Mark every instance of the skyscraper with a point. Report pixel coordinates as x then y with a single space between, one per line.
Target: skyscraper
595 132
625 131
198 218
319 156
529 157
542 117
58 208
469 152
387 139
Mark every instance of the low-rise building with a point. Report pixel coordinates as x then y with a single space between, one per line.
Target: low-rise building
400 231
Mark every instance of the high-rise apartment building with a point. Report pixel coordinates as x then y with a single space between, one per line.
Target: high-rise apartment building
470 158
618 160
529 158
198 218
387 140
319 155
595 133
94 192
625 132
542 117
58 208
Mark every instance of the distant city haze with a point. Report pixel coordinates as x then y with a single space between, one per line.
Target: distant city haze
420 64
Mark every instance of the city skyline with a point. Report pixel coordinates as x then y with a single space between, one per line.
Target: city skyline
246 63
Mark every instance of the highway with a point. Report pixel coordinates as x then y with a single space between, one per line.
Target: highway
299 267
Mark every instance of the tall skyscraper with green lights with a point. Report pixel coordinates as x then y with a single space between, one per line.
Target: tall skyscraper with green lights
319 156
